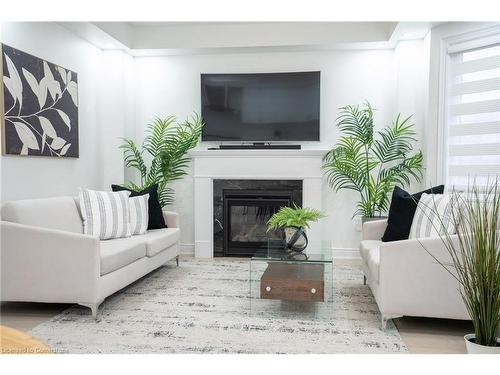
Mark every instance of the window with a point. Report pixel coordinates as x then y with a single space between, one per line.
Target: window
472 120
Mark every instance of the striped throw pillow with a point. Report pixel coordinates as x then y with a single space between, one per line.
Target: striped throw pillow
105 214
139 214
433 216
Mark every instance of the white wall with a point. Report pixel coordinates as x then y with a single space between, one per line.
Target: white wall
411 60
115 114
119 95
171 85
32 177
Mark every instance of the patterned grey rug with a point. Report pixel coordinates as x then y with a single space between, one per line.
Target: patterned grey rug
202 306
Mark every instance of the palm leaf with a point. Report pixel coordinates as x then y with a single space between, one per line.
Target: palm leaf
352 163
395 141
357 123
133 157
167 143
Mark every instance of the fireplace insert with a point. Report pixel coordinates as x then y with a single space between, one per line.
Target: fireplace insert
246 213
249 204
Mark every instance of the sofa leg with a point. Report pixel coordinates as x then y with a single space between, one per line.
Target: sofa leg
364 280
94 308
177 260
385 319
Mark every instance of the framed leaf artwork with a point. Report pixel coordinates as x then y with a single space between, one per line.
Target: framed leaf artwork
40 106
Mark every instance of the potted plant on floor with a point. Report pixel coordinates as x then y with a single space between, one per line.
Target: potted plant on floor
165 147
475 260
294 221
372 161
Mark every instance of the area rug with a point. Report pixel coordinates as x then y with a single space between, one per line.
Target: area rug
203 306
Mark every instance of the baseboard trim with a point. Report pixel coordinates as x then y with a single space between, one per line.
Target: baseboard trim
187 249
338 252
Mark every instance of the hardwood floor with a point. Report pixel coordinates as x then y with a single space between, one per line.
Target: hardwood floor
13 341
26 315
433 336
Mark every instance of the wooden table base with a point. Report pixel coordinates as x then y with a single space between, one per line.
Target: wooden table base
293 281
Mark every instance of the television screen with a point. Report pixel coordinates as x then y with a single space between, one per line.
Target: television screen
261 107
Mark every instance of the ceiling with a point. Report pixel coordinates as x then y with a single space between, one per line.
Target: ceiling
173 38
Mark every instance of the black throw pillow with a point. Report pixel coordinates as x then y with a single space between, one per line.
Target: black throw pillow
401 212
156 220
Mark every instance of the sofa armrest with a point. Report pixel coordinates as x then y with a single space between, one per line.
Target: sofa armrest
412 282
374 230
47 265
171 219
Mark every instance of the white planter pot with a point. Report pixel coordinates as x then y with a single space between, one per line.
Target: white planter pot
473 348
364 219
301 243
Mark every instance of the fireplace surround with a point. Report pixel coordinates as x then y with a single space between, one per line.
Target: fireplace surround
209 166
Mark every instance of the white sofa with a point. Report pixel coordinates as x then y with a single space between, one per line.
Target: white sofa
45 257
406 280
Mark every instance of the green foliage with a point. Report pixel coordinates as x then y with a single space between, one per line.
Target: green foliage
372 162
166 144
475 255
293 217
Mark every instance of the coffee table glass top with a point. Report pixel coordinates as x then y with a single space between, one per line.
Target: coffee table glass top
316 252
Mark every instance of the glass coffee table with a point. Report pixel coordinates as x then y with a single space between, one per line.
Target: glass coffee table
291 282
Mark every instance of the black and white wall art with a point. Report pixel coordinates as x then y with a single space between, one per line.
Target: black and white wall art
40 102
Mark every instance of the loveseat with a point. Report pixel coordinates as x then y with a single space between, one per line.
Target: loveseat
406 280
45 257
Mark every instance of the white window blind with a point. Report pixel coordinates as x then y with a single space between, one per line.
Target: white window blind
473 116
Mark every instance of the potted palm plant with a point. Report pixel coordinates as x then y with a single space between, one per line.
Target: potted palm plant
372 161
165 147
475 260
294 221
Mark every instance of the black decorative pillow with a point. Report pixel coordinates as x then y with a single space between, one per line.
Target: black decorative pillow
401 212
156 220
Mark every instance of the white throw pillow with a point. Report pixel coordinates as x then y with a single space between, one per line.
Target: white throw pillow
105 214
433 216
139 214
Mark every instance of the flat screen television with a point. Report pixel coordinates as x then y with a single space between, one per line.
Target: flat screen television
266 107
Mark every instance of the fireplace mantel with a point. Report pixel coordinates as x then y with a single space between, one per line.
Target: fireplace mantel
302 165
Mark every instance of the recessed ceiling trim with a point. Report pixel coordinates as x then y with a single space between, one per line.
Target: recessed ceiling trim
181 38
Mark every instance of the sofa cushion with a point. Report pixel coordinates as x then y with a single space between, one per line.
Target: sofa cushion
155 214
158 240
433 217
53 213
401 212
370 253
105 214
138 214
119 252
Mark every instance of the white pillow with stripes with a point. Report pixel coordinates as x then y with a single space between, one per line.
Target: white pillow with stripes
105 214
139 214
433 216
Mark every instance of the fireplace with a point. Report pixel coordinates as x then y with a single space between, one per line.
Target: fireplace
242 209
246 213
